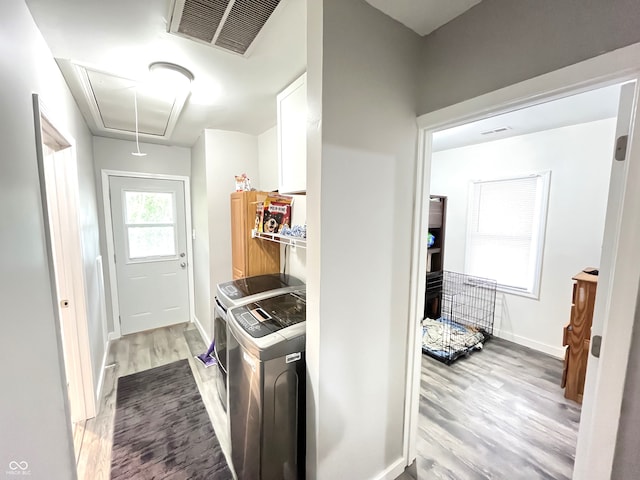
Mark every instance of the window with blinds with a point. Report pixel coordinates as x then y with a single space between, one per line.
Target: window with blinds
505 231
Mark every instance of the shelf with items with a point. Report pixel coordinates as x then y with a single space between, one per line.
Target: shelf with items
278 238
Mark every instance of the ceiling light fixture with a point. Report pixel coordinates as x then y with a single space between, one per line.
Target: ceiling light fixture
138 153
170 77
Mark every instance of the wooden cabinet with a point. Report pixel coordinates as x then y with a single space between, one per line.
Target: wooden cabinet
576 335
292 137
435 256
250 256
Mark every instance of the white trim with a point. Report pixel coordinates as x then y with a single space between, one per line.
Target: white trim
103 367
392 471
596 440
108 225
552 350
202 331
416 305
605 70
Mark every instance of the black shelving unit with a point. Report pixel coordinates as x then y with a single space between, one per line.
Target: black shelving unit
435 256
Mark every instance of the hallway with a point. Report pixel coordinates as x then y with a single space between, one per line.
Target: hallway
134 353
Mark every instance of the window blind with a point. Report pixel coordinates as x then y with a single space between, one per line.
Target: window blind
505 230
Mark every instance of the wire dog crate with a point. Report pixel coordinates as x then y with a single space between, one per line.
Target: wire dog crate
467 316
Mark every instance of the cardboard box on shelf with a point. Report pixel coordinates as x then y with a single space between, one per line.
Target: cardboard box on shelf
276 213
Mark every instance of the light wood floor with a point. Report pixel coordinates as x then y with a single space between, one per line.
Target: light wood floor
134 353
498 414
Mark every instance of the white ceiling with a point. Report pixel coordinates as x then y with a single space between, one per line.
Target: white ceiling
119 39
423 16
585 107
122 37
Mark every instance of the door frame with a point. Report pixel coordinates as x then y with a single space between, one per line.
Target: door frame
601 413
77 337
108 225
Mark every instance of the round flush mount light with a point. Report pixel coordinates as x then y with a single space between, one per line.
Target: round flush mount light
170 76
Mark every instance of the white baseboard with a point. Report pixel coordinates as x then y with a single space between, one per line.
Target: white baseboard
392 471
202 331
100 385
552 350
112 336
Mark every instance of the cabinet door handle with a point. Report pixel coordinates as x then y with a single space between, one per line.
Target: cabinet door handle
596 344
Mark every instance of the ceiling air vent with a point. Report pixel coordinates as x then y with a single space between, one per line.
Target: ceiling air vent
228 24
497 130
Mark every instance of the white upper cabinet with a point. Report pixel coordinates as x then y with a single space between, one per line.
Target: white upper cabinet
292 137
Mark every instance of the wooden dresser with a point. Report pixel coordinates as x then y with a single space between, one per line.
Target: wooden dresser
250 256
577 334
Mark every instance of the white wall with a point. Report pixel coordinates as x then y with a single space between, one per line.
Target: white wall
362 75
294 260
113 154
579 158
227 154
34 414
268 159
200 224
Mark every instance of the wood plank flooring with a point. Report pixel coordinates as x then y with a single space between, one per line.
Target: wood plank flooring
134 353
498 414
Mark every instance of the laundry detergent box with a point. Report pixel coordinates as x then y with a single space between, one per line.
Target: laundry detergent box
276 213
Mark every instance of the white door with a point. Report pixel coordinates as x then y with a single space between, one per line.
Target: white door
150 240
603 390
58 209
60 194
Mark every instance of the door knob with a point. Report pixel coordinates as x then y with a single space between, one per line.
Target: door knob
183 265
182 254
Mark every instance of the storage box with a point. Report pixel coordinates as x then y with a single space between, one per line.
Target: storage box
276 213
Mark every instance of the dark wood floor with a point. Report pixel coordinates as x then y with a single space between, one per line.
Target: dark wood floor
498 414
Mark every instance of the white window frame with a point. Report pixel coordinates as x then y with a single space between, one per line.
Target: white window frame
538 234
150 258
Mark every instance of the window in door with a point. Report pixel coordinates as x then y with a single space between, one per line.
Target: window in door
505 231
150 224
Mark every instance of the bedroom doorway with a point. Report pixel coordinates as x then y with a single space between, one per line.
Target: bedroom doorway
605 376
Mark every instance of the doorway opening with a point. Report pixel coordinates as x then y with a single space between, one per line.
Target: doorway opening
615 302
489 172
59 186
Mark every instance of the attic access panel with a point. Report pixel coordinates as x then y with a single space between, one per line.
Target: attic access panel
114 97
111 101
231 25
